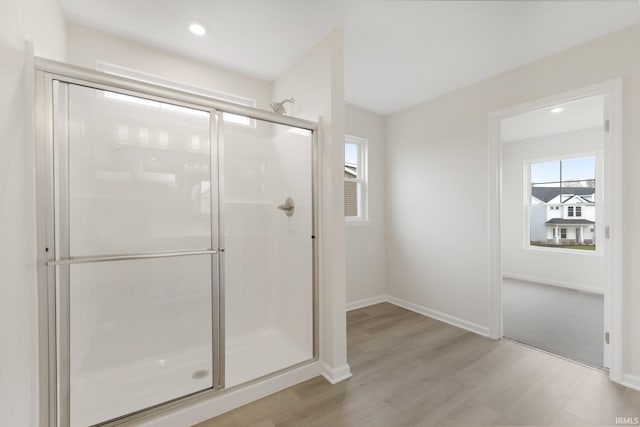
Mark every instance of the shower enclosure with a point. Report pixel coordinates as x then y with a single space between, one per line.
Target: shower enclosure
177 244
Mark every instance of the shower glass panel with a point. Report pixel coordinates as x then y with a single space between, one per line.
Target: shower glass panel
139 173
267 220
133 179
140 335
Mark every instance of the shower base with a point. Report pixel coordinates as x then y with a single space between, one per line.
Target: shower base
124 389
121 390
260 353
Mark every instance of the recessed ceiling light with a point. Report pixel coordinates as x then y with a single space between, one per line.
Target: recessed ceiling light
197 29
557 110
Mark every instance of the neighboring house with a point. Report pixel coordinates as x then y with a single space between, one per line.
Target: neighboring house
538 230
569 217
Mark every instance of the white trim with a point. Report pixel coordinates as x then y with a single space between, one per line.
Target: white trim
336 375
231 399
355 222
558 251
451 320
555 283
631 381
367 302
612 215
495 235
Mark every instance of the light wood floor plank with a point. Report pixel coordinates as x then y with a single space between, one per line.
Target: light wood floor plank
411 370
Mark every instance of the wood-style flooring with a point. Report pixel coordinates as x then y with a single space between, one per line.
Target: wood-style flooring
411 370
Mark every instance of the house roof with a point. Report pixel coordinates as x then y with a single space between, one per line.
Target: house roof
350 171
549 193
564 221
578 199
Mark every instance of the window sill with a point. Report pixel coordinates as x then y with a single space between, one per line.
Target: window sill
568 252
356 222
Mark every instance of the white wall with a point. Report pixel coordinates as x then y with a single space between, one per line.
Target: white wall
366 245
576 269
317 83
437 152
86 47
40 21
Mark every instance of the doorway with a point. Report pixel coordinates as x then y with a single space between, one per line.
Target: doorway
554 273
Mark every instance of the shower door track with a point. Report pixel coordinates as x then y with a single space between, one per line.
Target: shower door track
53 389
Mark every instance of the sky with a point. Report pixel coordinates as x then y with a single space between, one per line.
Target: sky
572 169
350 153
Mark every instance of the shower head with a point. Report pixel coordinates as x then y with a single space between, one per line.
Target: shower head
278 107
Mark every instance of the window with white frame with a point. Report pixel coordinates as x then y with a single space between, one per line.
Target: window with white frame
355 179
234 119
568 188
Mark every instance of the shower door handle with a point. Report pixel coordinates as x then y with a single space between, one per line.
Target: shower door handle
287 207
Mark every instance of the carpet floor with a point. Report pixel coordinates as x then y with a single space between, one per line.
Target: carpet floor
561 321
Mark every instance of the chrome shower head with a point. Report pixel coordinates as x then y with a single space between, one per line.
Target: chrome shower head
278 107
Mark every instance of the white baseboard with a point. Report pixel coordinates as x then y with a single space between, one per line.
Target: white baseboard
231 399
631 381
367 302
451 320
557 283
335 375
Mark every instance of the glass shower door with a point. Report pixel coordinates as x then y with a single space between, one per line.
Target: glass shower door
267 216
136 239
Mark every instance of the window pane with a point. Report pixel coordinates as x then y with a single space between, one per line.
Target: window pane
351 160
579 169
139 174
548 172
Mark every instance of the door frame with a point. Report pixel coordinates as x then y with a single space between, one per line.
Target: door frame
612 212
45 72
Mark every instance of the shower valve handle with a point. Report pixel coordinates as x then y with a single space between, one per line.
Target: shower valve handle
287 207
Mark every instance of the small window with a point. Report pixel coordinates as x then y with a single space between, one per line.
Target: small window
563 233
355 179
578 210
570 211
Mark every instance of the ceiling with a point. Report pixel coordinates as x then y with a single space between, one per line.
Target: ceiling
575 115
397 53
